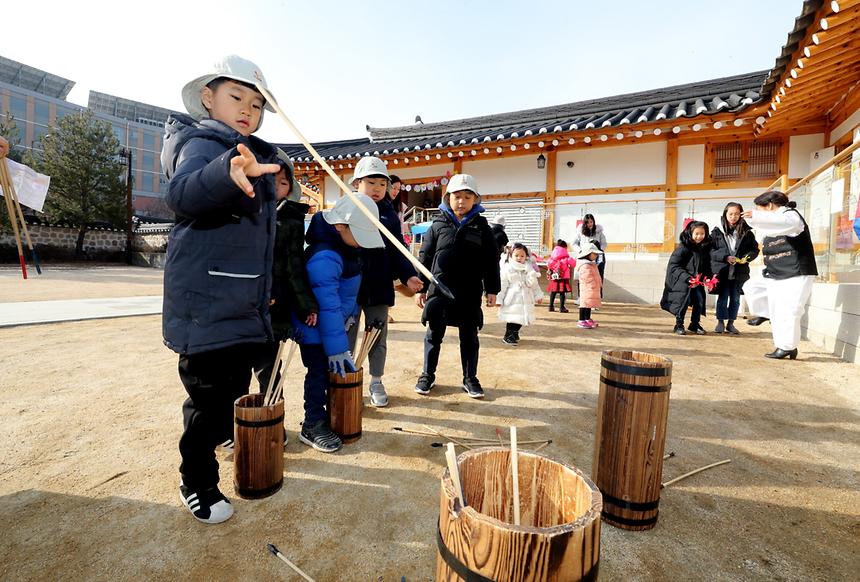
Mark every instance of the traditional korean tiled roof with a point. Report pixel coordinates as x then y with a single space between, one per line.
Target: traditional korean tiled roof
725 95
797 34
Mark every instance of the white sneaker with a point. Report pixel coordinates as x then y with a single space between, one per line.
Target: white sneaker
208 506
378 396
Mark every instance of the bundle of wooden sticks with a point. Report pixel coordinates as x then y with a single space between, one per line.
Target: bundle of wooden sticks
16 217
275 392
372 332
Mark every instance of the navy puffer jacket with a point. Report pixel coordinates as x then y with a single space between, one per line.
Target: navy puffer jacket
381 266
217 278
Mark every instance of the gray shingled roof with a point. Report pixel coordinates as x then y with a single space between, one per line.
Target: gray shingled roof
728 94
798 33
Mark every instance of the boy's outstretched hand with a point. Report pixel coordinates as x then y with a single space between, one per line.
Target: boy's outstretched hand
245 166
491 299
415 285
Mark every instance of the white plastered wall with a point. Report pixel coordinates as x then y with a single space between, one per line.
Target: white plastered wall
507 175
691 164
610 167
800 148
623 222
846 126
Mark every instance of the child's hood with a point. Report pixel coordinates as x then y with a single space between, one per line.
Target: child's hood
559 253
180 129
476 209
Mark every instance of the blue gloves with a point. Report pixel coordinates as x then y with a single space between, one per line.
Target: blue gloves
341 363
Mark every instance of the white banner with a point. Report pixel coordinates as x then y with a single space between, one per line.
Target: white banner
30 186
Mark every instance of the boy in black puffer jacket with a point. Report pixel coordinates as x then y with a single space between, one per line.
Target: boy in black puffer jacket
687 275
219 263
460 250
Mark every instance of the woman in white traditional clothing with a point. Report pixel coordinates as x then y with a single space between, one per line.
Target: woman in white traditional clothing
781 293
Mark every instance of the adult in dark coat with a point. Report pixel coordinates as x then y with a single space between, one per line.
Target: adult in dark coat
690 259
733 246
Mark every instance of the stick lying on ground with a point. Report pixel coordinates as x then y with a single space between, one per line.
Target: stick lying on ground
348 191
476 441
450 438
668 455
691 473
272 548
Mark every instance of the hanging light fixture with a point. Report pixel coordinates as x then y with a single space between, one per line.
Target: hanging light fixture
541 162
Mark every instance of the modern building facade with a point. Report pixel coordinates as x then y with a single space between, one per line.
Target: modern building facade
36 100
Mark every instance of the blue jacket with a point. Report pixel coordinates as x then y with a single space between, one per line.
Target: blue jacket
380 267
217 278
334 271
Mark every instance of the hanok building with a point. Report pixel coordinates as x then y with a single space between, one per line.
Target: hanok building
645 162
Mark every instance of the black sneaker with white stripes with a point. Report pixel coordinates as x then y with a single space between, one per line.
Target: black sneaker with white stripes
208 505
425 383
472 387
320 436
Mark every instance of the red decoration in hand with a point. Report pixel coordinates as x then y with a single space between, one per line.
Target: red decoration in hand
711 283
695 281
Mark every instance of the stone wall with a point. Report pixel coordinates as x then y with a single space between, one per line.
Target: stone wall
57 242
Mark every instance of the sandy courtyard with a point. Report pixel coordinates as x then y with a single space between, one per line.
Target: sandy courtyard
91 421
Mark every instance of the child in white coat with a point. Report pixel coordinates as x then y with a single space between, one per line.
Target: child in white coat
520 291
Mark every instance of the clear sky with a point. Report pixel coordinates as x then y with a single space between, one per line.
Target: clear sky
338 66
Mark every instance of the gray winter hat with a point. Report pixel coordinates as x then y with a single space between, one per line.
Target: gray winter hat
296 190
231 67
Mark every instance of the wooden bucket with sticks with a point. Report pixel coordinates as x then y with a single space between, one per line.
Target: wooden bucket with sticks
632 410
558 537
345 404
258 454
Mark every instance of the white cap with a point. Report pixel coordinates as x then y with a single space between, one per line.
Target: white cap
587 249
460 182
346 211
369 166
498 219
232 67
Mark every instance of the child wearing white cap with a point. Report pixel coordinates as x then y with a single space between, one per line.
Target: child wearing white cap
219 263
461 252
334 271
379 268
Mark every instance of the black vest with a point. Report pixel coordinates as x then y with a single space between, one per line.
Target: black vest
789 256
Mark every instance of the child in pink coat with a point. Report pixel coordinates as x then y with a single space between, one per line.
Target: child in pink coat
589 284
559 269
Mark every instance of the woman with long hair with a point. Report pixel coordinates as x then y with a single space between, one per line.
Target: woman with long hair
590 231
780 295
733 246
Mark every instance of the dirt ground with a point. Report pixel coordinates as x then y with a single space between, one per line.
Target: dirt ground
91 421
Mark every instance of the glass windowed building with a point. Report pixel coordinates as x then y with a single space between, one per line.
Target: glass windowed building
37 101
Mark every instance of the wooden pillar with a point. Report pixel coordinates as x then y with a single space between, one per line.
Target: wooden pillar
322 192
458 166
549 200
670 210
783 164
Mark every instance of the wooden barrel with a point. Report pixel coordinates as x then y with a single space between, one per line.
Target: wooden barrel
558 537
632 410
345 404
258 453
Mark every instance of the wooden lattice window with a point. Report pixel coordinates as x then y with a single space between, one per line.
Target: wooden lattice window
744 160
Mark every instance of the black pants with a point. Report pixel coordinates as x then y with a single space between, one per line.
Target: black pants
469 348
696 300
512 330
561 297
584 313
316 382
213 381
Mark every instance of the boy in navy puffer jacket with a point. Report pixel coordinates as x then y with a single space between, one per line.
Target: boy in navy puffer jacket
334 271
217 277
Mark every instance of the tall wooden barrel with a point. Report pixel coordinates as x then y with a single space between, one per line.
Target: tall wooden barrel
632 410
558 537
345 404
258 453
